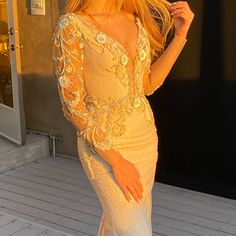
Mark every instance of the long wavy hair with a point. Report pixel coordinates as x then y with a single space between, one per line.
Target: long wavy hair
154 15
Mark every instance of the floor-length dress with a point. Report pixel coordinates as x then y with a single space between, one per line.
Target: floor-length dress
98 90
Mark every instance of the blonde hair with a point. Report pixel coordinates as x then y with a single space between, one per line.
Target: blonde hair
154 15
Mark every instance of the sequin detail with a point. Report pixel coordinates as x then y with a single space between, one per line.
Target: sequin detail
101 38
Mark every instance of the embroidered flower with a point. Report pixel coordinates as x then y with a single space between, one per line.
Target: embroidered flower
90 107
74 102
114 45
68 68
101 38
104 129
142 54
64 81
77 96
136 102
124 59
63 22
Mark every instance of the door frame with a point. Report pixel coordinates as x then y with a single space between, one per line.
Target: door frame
12 120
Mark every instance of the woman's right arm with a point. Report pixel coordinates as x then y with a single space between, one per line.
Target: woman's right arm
68 61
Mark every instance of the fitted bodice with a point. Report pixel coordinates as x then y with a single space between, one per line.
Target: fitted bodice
111 83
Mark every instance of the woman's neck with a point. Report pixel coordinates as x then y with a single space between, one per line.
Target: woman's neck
98 7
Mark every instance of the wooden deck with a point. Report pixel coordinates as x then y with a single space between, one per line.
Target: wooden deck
52 197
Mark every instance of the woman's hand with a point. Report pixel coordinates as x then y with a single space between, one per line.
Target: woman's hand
182 16
127 176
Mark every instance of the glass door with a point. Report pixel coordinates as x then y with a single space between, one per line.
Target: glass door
12 122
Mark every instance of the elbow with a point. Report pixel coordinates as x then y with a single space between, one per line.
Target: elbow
149 86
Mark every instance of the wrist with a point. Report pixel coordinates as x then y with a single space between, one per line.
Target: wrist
180 40
116 160
181 36
112 156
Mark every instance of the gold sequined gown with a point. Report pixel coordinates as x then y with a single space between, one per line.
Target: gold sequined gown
97 87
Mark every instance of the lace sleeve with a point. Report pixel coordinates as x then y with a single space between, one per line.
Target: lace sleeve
68 60
162 66
148 89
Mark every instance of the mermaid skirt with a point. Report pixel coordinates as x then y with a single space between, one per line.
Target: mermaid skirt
138 145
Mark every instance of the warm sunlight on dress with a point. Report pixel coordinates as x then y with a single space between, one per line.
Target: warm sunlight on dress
96 85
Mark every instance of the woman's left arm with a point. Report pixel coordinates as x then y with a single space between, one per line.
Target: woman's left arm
159 70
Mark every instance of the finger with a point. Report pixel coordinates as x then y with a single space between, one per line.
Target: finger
126 192
138 189
139 184
122 182
127 195
179 5
180 2
182 15
133 192
186 13
174 6
136 171
178 11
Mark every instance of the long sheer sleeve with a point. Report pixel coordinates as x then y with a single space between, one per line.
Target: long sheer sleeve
158 71
68 59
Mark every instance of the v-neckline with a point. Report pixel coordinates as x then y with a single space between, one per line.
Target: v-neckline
111 38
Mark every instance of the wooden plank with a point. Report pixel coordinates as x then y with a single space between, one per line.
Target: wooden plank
82 196
178 191
51 175
73 165
31 230
191 210
12 227
67 223
171 231
78 174
71 204
5 219
179 224
38 221
202 224
50 207
213 207
51 183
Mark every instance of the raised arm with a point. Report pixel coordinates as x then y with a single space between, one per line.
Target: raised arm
68 59
155 76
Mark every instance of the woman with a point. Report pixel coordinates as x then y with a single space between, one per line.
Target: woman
109 55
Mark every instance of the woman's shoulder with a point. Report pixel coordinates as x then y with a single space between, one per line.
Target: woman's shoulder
75 17
66 18
68 26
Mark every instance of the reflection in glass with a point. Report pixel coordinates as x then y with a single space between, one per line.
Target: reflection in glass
6 96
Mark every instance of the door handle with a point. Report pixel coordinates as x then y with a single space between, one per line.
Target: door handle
12 47
11 31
